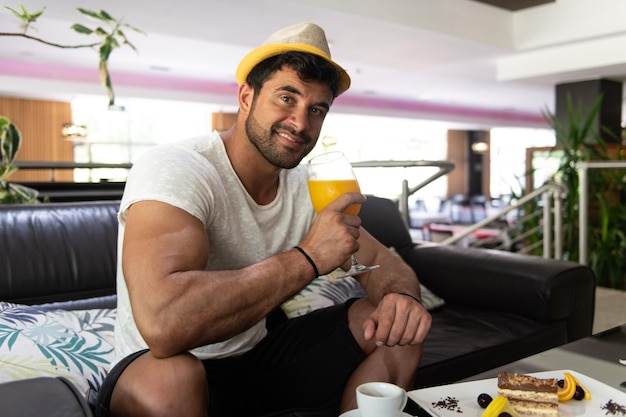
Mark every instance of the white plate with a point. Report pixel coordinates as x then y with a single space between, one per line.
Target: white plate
467 392
355 413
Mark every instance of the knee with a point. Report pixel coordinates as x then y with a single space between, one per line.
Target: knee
162 387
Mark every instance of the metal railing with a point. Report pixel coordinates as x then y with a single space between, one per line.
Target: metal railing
54 166
444 168
583 201
552 198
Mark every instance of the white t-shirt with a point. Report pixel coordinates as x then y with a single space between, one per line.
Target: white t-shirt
196 176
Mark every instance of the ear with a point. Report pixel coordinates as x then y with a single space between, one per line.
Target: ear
245 95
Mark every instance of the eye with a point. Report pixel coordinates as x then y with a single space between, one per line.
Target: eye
318 111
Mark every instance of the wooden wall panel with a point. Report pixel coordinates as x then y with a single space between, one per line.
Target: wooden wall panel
40 122
487 167
457 153
223 121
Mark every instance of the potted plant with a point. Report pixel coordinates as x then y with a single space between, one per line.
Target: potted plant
10 142
112 36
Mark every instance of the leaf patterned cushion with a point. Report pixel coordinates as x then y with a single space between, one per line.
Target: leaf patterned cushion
77 345
327 290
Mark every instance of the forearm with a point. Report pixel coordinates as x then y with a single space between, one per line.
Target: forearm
393 275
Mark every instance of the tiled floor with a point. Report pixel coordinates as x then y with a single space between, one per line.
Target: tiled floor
610 309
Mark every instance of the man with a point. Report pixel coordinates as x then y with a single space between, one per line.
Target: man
208 228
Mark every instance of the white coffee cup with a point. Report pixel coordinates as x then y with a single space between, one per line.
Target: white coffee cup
380 399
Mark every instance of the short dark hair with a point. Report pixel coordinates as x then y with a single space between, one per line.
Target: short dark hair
309 67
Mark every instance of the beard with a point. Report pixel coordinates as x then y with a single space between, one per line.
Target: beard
277 155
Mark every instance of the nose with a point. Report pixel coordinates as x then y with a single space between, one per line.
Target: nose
299 119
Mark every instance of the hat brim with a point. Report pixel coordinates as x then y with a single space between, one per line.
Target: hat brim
263 52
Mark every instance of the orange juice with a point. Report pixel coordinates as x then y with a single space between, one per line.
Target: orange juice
323 192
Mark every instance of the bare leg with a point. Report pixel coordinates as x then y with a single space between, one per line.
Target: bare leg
390 364
149 386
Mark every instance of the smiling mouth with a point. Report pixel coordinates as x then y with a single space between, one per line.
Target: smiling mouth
288 137
292 137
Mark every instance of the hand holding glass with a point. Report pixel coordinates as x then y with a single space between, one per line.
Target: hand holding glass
331 175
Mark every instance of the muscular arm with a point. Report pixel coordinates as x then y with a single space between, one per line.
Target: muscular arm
397 319
177 305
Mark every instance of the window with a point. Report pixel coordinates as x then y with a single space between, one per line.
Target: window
120 136
508 156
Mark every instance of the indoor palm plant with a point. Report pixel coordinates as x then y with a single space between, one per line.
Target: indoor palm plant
580 140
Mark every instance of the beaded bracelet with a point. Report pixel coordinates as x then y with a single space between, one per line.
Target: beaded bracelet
308 258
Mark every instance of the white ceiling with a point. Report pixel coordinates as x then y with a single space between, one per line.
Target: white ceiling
454 60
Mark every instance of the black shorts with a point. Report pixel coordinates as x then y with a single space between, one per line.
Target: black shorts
302 364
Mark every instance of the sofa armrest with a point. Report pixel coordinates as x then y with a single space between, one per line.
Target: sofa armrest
537 288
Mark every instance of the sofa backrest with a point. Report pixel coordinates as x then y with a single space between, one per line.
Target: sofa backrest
67 251
57 251
381 218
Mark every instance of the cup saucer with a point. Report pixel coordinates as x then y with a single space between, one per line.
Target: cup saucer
356 413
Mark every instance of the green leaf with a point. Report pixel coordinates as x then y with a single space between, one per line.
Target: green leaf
7 171
109 41
101 32
133 28
119 32
100 15
122 35
17 14
10 141
105 49
105 16
81 29
34 16
131 45
25 17
24 194
105 80
16 194
89 13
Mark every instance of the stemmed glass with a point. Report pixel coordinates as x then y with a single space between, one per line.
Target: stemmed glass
331 175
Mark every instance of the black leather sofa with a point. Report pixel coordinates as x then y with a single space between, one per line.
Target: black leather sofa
499 307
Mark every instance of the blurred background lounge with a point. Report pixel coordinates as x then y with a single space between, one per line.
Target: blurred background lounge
464 81
425 75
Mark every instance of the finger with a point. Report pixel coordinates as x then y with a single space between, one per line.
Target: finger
411 331
406 327
346 200
424 327
369 329
402 330
386 321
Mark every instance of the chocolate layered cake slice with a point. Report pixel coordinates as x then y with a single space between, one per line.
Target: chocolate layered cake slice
530 396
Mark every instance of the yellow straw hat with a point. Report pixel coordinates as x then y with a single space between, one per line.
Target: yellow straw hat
303 37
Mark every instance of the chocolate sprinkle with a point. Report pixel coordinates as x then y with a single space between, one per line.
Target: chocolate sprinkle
448 403
614 408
